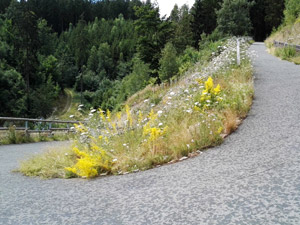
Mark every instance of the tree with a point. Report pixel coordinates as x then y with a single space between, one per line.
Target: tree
153 34
174 16
105 63
168 63
43 98
274 14
265 15
80 42
234 18
257 16
12 89
3 5
137 79
26 42
204 18
183 35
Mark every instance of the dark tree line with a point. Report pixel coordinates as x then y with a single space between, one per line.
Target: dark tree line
109 49
60 13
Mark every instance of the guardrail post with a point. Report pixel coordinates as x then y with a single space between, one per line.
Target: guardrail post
26 129
238 55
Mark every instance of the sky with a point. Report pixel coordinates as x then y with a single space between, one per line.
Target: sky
166 6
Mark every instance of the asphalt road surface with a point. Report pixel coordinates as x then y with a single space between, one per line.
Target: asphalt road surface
253 178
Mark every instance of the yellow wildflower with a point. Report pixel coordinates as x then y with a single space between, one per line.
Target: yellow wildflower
114 127
129 117
209 84
140 119
119 114
108 115
102 114
200 81
152 116
217 89
220 130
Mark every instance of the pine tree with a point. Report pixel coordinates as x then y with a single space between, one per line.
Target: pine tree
204 18
152 33
168 63
183 35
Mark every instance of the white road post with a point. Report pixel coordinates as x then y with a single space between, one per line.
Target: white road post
238 55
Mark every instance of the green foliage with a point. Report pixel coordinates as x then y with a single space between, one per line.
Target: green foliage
273 14
181 20
3 5
292 11
12 89
15 137
234 18
105 64
80 42
153 34
137 79
97 45
168 63
42 99
286 52
204 18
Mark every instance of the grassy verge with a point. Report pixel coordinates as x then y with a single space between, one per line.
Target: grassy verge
51 164
18 137
198 112
287 34
285 53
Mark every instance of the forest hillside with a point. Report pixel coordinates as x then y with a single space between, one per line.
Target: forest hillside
108 50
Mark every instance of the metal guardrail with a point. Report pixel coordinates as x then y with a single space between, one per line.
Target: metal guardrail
284 44
49 123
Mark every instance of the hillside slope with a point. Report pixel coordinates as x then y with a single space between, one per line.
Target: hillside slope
289 34
163 123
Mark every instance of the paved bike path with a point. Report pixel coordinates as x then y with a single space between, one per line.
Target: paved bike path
252 178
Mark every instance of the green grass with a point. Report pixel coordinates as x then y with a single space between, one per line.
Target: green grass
289 54
49 165
18 137
286 53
